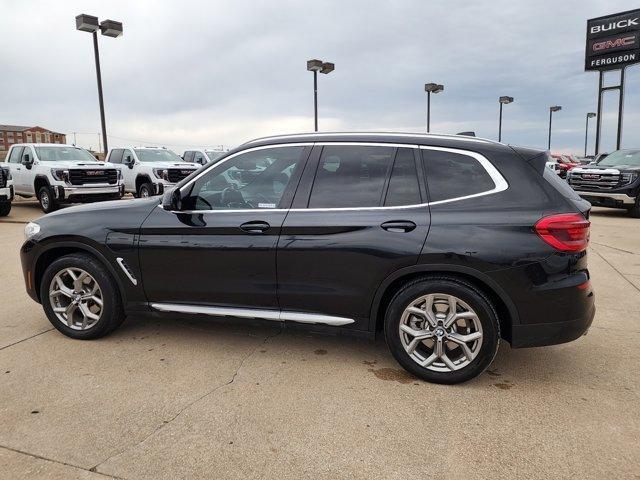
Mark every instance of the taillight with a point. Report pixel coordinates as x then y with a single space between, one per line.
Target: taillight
568 232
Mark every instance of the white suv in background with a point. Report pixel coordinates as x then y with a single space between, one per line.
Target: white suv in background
57 174
150 170
6 191
202 157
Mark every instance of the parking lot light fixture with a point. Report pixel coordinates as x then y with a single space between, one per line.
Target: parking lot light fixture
554 108
316 66
586 132
431 88
108 28
503 101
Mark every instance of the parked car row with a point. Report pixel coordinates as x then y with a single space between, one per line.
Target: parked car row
57 174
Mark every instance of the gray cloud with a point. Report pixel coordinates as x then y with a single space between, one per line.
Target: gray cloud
210 72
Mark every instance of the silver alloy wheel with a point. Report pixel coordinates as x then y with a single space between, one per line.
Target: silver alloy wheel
76 298
440 332
44 200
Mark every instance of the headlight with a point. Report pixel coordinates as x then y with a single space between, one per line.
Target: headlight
629 177
161 173
30 230
60 175
119 174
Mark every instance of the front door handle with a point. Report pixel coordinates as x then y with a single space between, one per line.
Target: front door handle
398 226
255 227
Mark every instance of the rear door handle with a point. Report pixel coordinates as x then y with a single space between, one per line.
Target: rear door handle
398 226
255 227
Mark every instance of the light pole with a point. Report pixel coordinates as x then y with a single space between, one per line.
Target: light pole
503 101
316 66
586 131
109 28
431 88
552 109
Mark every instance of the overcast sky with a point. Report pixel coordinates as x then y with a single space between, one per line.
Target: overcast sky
205 73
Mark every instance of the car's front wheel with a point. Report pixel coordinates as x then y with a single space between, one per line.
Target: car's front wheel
442 330
145 190
80 297
47 200
5 208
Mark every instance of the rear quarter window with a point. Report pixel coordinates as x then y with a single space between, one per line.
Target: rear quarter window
453 175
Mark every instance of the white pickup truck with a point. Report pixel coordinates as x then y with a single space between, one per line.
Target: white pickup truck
6 191
150 171
56 174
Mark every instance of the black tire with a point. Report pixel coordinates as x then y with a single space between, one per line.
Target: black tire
5 208
449 286
635 210
145 190
112 314
47 200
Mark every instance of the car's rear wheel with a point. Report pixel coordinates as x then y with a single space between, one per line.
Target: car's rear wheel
80 297
5 208
442 330
47 200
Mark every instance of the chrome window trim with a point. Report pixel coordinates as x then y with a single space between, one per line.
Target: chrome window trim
498 180
275 315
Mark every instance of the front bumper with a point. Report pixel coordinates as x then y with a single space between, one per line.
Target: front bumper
607 198
6 193
70 193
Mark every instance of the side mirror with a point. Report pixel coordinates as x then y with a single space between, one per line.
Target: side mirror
27 161
172 200
128 161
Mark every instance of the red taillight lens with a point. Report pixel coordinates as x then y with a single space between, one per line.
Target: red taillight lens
566 232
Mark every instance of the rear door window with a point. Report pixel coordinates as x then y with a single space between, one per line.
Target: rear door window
454 175
351 176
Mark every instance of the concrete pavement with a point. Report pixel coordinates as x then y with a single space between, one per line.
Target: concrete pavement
185 398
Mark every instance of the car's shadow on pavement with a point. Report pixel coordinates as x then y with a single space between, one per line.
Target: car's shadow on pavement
511 369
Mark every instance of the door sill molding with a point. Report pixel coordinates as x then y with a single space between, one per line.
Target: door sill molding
276 315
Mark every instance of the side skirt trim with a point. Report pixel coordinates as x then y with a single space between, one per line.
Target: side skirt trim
276 315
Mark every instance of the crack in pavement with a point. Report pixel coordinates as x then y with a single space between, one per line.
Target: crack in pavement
189 405
25 339
614 248
40 457
617 271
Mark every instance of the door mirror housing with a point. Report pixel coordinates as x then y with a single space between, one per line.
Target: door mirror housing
128 161
172 200
27 161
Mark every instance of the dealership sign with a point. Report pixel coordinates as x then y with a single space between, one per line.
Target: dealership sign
613 41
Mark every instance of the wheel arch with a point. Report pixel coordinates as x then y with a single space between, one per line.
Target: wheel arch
142 178
61 249
40 181
506 309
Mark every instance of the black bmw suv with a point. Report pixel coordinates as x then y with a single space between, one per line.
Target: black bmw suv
444 243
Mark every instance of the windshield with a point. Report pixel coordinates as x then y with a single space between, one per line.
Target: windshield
156 155
621 157
61 154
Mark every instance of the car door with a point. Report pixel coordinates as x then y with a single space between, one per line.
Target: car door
359 215
25 177
14 160
128 170
219 248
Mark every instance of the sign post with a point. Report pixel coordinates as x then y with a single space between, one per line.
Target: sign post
613 43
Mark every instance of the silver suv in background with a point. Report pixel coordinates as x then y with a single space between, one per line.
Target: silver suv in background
202 157
150 171
58 174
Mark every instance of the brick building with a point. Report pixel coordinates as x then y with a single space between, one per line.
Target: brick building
10 134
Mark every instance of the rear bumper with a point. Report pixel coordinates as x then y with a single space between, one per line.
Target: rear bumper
541 334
